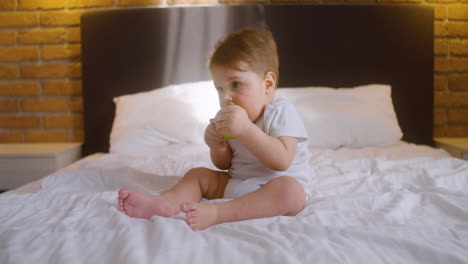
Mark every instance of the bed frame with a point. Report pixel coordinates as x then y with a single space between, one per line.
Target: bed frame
133 50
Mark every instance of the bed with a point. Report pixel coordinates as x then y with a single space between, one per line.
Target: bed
360 75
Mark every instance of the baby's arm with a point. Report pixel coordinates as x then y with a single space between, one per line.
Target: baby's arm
220 152
277 153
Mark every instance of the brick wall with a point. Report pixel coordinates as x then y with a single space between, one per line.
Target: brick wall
40 69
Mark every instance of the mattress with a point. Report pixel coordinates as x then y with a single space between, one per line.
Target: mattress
400 204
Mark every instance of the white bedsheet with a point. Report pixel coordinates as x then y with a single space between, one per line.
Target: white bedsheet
401 204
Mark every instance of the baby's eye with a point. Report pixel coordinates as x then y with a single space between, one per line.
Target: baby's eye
235 84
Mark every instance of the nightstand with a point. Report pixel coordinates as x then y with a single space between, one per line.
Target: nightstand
456 146
21 163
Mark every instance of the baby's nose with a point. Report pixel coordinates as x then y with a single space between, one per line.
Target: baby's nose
228 101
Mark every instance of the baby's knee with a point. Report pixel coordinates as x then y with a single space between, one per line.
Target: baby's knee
291 195
288 184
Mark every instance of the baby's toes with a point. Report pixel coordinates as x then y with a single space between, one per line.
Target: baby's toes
123 194
194 224
121 207
193 220
186 207
190 217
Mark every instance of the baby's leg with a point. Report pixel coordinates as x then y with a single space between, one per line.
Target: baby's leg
280 196
196 183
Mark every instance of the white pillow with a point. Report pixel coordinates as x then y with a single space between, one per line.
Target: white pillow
356 117
175 114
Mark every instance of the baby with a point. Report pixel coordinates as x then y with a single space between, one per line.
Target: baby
257 141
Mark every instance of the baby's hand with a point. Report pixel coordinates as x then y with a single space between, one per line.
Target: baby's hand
232 120
212 138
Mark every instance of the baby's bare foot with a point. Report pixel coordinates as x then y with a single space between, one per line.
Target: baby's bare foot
200 215
143 205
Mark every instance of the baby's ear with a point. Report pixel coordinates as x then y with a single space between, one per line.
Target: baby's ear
270 81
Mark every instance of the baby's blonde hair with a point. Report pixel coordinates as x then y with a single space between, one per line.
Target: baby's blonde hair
251 47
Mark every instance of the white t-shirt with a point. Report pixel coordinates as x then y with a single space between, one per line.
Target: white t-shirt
279 119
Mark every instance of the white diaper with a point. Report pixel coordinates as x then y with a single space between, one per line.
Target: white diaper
239 187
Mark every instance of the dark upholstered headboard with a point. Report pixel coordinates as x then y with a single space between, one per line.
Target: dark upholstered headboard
132 50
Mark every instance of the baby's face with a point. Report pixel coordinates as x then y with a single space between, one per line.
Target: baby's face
244 88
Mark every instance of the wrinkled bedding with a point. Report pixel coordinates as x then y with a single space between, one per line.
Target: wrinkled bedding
400 204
